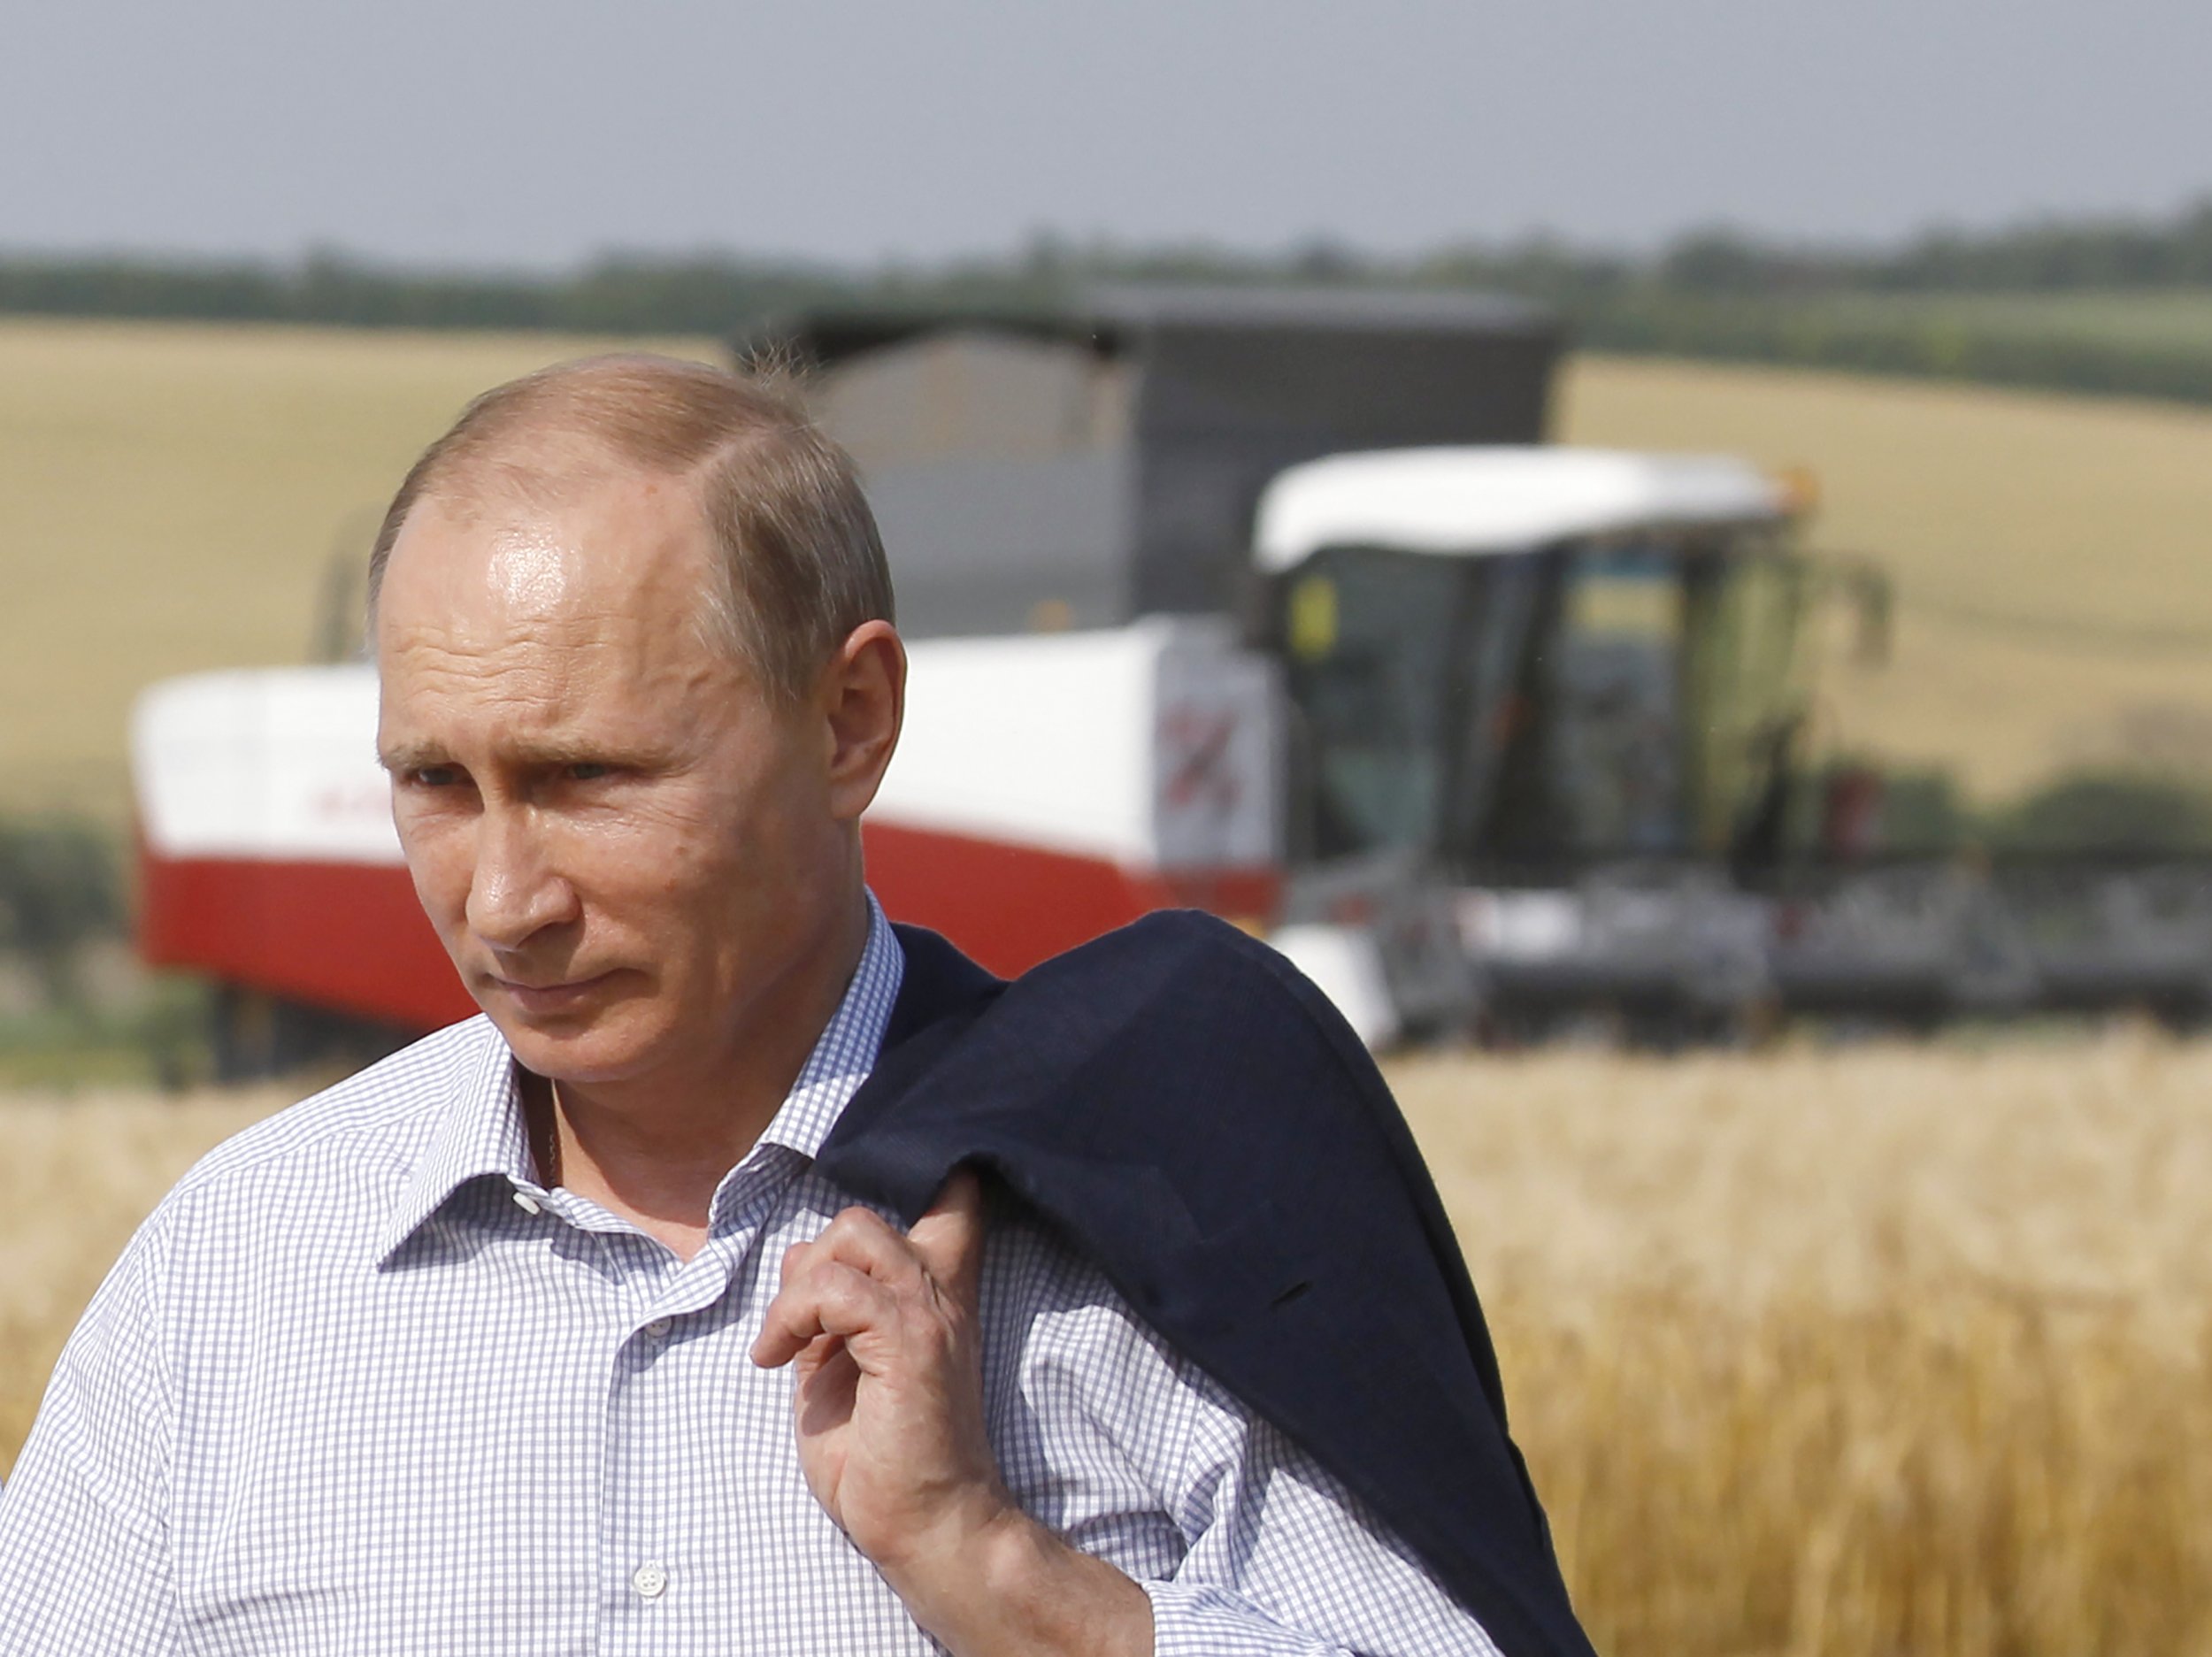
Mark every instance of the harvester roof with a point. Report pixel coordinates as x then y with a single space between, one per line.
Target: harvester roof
1097 460
1110 318
1477 501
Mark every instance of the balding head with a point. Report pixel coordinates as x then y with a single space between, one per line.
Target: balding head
800 562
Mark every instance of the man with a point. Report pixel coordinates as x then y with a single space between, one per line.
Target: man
545 1335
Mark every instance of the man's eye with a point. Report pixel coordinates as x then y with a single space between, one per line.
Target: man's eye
434 776
589 770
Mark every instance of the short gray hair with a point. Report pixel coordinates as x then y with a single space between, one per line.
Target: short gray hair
801 561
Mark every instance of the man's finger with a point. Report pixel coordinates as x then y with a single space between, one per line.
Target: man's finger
948 1239
830 1298
864 1240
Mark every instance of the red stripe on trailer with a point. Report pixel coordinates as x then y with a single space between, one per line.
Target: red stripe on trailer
351 936
345 936
1011 906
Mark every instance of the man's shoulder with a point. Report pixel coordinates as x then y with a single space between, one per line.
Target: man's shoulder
375 1121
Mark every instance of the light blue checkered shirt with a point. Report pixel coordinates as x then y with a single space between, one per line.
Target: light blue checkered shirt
362 1384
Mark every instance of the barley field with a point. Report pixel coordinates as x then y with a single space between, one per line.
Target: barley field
172 497
1815 1351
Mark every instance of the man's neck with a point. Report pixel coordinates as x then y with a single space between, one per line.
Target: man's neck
654 1151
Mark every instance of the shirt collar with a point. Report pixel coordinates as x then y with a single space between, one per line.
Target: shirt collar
846 1049
480 1132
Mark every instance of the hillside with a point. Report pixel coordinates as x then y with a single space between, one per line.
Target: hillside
170 498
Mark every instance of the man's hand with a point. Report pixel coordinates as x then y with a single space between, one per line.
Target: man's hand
889 1404
890 1377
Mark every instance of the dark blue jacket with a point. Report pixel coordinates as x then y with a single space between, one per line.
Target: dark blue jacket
1196 1118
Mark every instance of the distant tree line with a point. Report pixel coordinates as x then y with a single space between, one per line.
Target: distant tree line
2055 256
699 295
1712 292
1717 293
1658 322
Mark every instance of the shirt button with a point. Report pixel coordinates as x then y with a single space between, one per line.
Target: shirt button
650 1580
658 1327
527 1203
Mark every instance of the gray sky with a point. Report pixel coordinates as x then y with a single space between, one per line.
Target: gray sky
533 132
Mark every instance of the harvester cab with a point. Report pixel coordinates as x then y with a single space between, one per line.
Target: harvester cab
1516 658
1568 688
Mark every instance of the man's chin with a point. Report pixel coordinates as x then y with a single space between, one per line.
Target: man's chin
575 1054
587 1040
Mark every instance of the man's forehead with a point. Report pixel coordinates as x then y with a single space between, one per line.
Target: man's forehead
531 537
549 612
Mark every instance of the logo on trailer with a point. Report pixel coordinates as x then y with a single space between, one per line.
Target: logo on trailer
1197 746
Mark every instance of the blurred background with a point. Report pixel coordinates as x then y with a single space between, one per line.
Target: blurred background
1780 879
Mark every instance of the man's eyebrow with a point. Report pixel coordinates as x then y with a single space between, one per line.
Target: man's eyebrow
551 751
398 756
558 750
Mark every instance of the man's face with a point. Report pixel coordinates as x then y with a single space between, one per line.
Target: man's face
632 855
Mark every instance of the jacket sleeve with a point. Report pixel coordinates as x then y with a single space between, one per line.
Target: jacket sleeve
84 1559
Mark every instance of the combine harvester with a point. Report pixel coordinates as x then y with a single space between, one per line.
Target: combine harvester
1273 604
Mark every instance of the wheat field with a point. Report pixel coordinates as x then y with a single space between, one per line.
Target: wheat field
1814 1351
1823 1352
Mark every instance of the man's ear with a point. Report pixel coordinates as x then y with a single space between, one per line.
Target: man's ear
863 700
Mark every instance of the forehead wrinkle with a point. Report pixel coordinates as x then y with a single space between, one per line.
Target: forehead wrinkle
542 671
535 682
496 585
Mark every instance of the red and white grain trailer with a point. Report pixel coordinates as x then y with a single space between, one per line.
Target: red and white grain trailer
1046 790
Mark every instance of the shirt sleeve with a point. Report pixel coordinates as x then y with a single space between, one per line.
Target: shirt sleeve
84 1556
1134 1452
1282 1561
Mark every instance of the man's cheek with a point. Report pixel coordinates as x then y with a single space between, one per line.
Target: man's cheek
442 872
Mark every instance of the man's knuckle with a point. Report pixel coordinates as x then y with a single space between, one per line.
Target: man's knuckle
855 1222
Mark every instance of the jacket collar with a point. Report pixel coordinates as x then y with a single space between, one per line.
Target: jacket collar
942 994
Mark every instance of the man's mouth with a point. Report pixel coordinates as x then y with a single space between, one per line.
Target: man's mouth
556 997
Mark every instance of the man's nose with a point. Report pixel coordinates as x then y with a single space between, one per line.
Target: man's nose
516 891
